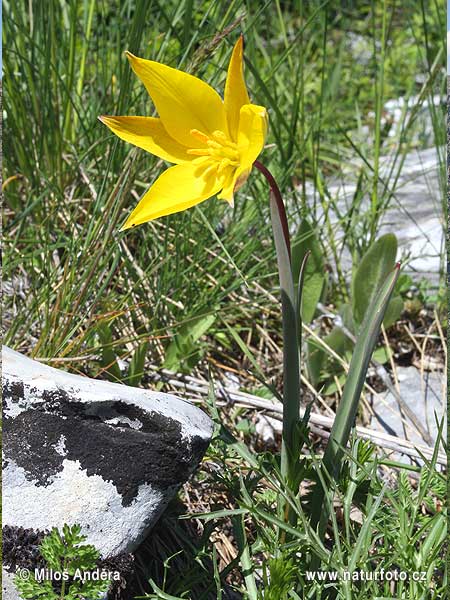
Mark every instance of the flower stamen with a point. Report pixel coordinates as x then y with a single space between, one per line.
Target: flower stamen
219 148
198 151
222 139
202 137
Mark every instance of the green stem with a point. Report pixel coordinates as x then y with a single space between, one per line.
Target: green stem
291 354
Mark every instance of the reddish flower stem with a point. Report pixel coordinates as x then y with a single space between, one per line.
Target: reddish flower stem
279 200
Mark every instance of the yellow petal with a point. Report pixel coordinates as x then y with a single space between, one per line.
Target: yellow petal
183 101
148 133
251 138
235 90
235 182
252 133
177 189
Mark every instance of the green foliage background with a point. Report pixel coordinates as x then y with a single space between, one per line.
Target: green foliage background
69 184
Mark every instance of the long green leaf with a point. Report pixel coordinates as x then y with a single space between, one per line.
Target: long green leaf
364 537
291 364
137 364
348 406
161 594
218 514
314 271
183 351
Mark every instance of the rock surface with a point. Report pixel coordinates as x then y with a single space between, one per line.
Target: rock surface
9 591
425 395
103 455
415 212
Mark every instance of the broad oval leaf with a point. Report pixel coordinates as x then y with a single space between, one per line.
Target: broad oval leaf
375 266
314 276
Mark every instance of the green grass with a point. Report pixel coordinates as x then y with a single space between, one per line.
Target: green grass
184 289
74 184
395 527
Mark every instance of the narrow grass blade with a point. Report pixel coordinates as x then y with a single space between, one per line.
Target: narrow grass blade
108 356
137 365
160 593
219 241
239 447
300 286
245 557
216 574
245 349
365 533
218 514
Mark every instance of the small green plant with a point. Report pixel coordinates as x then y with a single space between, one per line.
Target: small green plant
68 574
185 349
368 276
279 577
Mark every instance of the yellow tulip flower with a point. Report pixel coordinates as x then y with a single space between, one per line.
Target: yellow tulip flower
212 142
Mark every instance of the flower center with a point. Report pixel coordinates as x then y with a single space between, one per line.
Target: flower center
219 148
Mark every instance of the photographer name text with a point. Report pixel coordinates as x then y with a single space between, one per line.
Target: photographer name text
77 575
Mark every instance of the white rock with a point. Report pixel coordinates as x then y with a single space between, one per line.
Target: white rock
425 394
103 455
9 591
415 212
267 428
